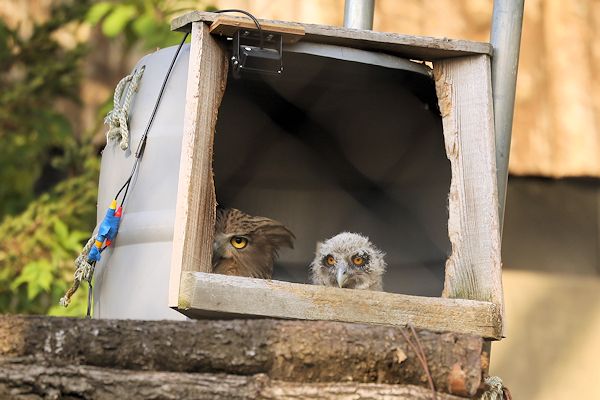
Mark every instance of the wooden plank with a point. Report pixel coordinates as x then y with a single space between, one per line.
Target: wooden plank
195 212
416 47
220 295
321 349
473 270
226 25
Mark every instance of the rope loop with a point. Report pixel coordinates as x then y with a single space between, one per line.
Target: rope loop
117 119
496 389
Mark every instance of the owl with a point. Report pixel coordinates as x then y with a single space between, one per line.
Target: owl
245 245
348 260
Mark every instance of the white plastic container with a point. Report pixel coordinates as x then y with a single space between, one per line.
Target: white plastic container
132 276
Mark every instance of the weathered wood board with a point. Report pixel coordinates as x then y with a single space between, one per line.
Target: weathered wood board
196 202
417 47
227 26
269 298
473 269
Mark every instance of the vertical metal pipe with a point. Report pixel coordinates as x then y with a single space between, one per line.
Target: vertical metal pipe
507 21
358 14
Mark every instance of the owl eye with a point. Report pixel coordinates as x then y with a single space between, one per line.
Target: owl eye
329 260
239 242
358 261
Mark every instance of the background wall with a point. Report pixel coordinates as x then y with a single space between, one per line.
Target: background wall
551 241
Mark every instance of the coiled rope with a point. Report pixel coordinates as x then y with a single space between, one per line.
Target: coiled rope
118 128
496 389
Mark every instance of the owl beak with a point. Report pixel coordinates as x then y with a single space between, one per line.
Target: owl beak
342 275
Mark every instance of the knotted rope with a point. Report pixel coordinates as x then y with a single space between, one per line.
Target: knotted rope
496 389
116 119
83 272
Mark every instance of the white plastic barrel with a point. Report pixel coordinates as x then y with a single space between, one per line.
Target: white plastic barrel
131 279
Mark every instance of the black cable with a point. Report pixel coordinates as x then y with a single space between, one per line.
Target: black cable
128 182
252 17
88 313
142 144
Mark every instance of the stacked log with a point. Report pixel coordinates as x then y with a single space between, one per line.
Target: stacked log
45 357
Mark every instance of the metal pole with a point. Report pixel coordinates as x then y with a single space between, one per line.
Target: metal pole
507 20
358 14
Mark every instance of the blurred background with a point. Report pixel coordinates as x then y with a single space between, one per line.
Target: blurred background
60 62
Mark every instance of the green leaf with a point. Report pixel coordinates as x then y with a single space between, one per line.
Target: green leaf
73 243
60 230
98 11
37 275
118 19
144 25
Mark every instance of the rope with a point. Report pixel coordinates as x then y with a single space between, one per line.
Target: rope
116 119
83 272
496 389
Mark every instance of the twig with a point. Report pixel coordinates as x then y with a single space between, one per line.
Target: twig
418 349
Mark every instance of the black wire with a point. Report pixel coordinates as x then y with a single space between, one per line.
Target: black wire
88 313
128 182
252 17
141 145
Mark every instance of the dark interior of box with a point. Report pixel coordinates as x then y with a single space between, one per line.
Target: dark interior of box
335 146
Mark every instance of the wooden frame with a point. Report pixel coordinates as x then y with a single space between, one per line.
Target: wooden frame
472 299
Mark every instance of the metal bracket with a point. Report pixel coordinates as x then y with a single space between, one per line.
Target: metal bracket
253 53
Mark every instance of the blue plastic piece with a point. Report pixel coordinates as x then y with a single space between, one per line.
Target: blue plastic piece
107 230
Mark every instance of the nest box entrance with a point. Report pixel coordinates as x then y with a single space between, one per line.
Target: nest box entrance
350 138
337 145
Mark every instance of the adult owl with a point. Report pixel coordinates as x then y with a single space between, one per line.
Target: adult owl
348 260
246 245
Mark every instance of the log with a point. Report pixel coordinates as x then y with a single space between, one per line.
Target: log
296 351
22 379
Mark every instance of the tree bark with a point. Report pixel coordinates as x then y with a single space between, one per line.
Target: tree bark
293 351
24 381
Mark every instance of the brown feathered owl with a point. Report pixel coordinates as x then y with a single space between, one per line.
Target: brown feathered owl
348 260
246 245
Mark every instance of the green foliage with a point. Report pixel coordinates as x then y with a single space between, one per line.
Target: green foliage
40 237
34 73
40 244
141 21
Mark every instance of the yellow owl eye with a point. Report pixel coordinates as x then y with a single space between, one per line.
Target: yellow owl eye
239 242
358 261
329 260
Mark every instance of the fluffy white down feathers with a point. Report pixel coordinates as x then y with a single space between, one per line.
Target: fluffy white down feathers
348 260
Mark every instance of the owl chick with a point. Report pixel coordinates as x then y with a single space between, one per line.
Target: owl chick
246 245
348 260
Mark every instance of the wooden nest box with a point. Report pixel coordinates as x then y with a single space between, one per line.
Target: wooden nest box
385 134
